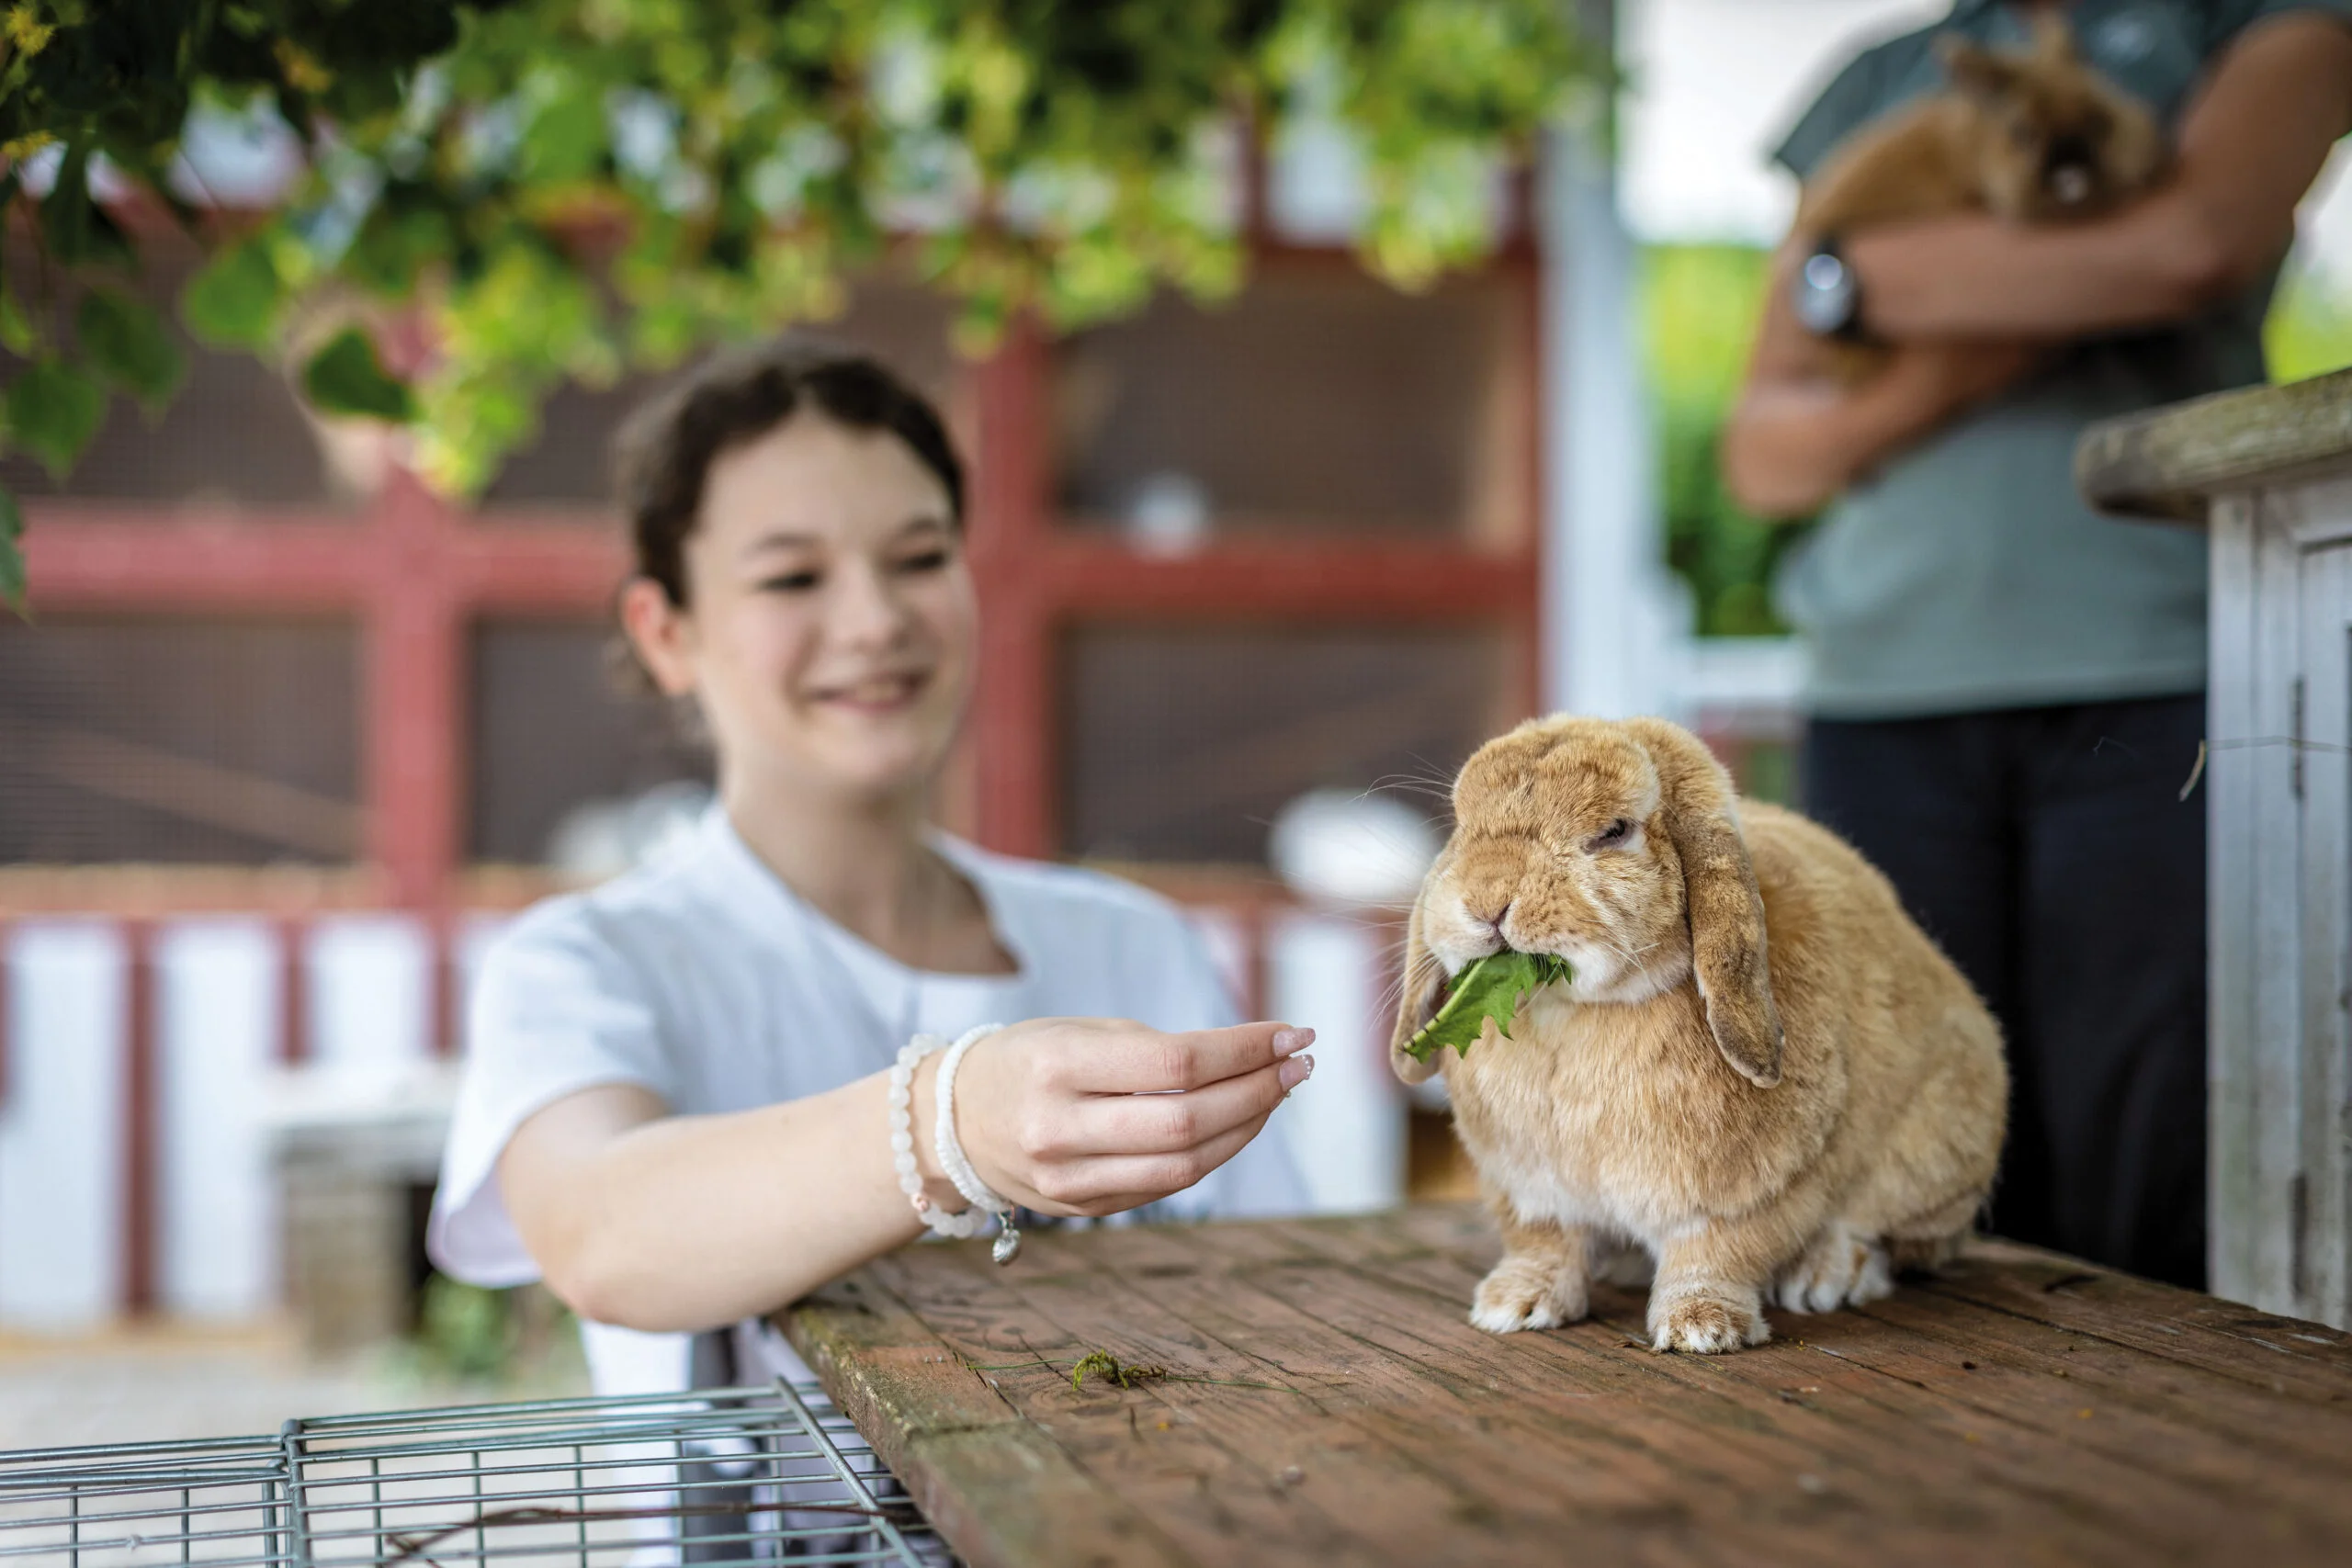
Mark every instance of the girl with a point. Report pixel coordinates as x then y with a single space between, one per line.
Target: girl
678 1102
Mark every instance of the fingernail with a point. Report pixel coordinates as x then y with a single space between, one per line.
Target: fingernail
1287 1041
1294 1072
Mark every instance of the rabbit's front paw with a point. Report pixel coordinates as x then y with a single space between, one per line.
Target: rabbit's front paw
1529 1292
1840 1268
1707 1321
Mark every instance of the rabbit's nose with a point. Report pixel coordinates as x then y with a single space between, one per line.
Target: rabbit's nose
1495 923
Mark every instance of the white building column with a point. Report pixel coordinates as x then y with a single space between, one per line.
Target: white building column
1614 617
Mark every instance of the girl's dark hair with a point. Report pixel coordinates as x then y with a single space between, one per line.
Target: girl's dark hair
665 449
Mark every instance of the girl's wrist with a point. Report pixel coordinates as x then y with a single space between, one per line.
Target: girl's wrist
936 1186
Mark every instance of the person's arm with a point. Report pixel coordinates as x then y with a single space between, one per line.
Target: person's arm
648 1220
1795 439
2250 147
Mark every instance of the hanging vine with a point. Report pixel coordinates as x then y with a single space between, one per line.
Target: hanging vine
564 189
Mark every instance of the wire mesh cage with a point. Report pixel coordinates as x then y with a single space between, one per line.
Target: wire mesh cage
749 1475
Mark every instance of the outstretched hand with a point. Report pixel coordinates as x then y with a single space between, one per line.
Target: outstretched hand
1092 1116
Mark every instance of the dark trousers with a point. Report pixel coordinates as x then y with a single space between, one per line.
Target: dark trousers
2048 852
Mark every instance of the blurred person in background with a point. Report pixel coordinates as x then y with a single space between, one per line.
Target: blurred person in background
676 1101
2007 694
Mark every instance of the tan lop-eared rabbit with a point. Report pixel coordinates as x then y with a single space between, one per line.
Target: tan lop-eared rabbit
1760 1071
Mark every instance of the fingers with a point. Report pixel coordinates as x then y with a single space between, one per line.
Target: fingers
1118 1182
1170 1123
1147 1061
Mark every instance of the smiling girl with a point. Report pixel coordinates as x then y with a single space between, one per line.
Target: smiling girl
698 1091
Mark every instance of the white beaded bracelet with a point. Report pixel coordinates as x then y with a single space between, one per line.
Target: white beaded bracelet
902 1144
950 1149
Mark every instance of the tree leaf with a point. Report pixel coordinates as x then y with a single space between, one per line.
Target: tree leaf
126 341
16 333
1491 987
73 225
346 377
53 411
12 553
233 302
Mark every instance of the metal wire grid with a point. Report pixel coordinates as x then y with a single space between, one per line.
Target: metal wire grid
751 1475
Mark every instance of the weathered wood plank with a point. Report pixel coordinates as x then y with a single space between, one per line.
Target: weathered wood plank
1349 1414
1891 1446
2285 1356
2169 461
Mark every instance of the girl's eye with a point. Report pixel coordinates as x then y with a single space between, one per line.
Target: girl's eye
790 583
1617 832
925 561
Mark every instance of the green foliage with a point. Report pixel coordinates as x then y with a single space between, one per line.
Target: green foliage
346 378
12 557
464 1332
53 410
2309 332
1490 988
566 188
235 298
127 344
1700 305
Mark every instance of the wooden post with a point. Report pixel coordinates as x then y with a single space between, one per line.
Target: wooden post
2269 472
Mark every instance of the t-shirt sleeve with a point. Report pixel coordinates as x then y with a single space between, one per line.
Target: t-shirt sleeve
2226 20
555 1008
1851 97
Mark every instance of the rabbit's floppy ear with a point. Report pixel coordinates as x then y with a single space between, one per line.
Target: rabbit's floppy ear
1726 912
1420 977
1974 69
2052 39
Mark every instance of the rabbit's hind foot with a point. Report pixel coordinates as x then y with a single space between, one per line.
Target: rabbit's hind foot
1841 1268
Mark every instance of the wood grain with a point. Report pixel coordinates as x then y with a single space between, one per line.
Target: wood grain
2170 461
1330 1403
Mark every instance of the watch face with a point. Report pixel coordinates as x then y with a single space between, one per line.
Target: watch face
1824 293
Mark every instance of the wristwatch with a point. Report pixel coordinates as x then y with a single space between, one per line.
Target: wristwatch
1825 294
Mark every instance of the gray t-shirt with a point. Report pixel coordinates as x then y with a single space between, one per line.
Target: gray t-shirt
1966 573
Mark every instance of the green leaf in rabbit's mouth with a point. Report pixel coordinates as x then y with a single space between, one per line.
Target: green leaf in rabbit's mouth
1491 987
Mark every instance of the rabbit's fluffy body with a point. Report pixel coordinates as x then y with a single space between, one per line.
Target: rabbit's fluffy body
2032 136
1798 1118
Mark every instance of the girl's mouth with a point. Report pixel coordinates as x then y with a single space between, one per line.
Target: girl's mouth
876 694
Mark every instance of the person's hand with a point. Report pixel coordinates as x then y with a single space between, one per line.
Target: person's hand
1094 1116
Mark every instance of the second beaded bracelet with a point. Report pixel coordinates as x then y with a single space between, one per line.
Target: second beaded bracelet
902 1144
950 1149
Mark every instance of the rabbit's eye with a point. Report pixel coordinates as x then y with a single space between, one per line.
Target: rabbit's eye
1617 832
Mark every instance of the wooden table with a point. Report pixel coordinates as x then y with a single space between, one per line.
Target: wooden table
2028 1408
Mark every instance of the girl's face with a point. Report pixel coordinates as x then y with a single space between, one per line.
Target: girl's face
830 622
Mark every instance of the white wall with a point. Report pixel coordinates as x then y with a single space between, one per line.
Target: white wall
370 995
217 990
62 1125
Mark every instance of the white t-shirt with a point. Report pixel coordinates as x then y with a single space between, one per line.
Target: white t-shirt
705 978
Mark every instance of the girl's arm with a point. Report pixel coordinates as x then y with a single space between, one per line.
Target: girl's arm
2250 147
648 1220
